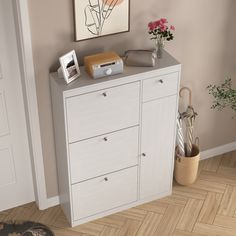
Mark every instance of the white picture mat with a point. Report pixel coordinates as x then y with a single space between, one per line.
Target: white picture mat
118 20
64 60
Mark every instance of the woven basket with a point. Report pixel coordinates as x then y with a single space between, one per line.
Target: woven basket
186 168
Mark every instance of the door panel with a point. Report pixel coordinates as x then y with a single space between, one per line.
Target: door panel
158 129
16 183
4 126
7 168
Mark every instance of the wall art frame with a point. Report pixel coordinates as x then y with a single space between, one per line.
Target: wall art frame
98 18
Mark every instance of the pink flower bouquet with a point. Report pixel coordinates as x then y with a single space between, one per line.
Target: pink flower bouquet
160 30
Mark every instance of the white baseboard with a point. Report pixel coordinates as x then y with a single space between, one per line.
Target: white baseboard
54 201
50 202
218 150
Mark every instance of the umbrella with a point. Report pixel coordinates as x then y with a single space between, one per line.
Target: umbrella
180 137
188 117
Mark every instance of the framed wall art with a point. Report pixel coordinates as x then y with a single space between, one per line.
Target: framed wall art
69 66
96 18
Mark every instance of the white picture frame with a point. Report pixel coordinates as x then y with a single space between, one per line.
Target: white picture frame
97 18
69 66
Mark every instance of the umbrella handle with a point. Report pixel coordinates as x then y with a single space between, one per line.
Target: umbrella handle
190 94
197 141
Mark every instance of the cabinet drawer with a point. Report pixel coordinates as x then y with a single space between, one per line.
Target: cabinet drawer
104 193
161 86
103 154
102 112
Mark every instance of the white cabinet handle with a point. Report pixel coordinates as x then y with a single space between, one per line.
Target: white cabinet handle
144 154
105 139
106 179
160 81
104 94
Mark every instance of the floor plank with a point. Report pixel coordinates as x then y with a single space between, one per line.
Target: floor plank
225 221
229 160
89 228
190 215
115 221
65 232
213 230
169 220
217 177
133 214
228 204
211 164
154 206
150 224
184 233
109 231
210 208
130 228
209 186
190 192
174 199
227 172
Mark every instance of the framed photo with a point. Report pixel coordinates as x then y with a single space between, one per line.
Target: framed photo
96 18
69 66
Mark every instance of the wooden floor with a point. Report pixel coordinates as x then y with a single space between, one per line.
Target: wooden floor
208 207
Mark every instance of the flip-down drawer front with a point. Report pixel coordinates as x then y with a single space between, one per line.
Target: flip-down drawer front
160 86
103 193
103 154
103 111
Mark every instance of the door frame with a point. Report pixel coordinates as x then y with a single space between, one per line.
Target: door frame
23 33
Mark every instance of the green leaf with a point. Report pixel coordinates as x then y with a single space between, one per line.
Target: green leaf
224 95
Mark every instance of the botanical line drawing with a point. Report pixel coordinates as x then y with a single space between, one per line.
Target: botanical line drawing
97 12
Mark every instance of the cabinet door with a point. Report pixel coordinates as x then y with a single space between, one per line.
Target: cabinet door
157 147
102 111
103 154
104 193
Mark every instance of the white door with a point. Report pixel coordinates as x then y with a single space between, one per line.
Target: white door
16 183
157 146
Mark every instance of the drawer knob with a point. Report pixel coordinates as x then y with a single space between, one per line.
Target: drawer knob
105 139
144 154
104 94
106 179
161 81
108 71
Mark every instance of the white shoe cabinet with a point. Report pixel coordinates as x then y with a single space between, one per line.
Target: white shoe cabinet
115 139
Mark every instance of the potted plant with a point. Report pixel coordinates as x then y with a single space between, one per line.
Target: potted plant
224 95
160 32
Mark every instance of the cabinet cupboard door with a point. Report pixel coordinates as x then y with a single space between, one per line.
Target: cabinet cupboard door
103 154
158 130
102 112
103 193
